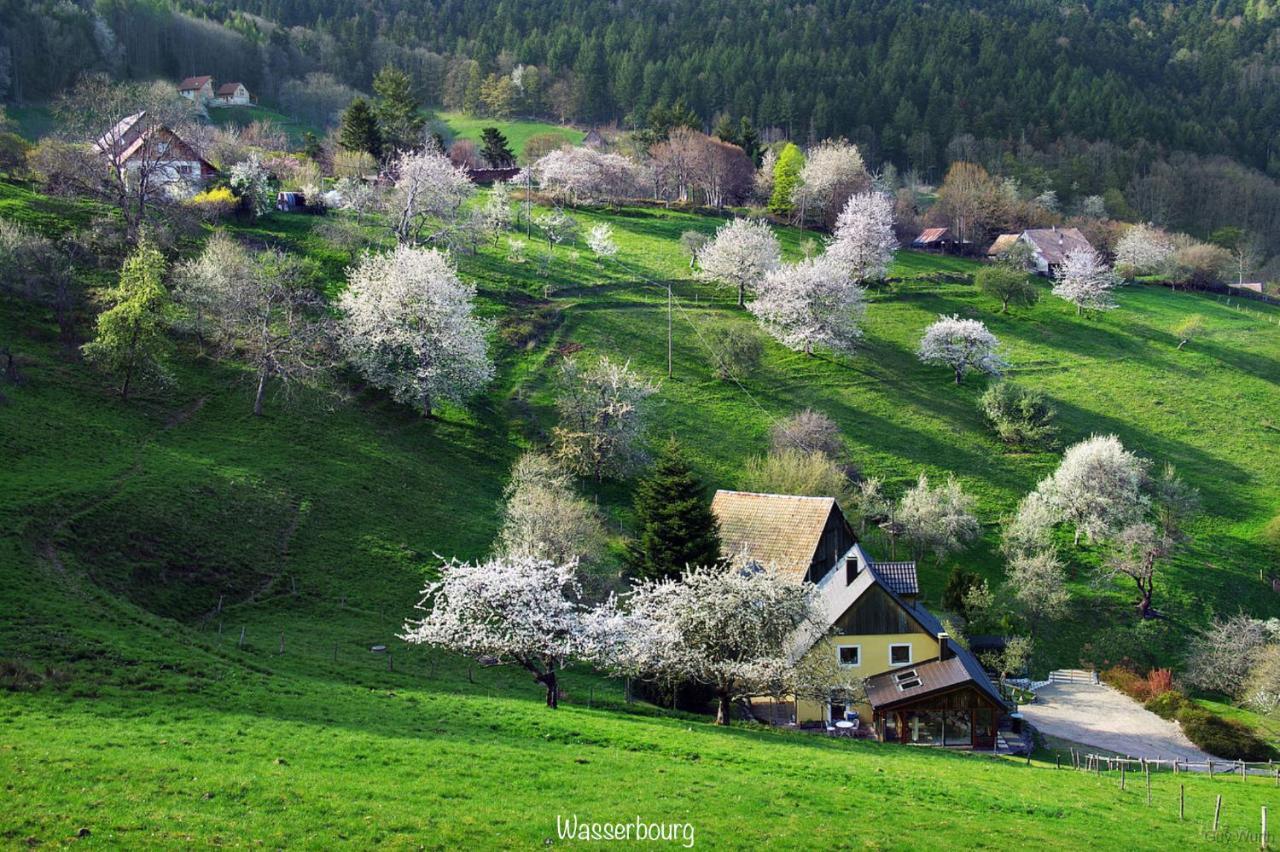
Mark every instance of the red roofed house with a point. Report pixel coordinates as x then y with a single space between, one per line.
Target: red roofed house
198 89
149 152
920 687
231 94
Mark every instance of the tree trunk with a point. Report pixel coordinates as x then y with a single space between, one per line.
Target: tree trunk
548 679
959 375
262 391
742 295
724 708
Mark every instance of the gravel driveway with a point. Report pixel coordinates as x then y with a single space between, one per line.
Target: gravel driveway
1100 716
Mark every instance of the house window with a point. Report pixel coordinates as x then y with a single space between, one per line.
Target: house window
184 169
849 655
899 655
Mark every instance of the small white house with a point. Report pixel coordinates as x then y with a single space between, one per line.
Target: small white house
139 147
231 94
198 89
1050 246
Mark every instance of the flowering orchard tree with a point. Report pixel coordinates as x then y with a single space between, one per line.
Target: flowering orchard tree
408 325
600 241
963 345
1097 488
937 519
544 518
811 303
520 610
496 214
864 240
740 255
1143 250
601 417
557 226
429 193
831 171
573 175
733 628
251 182
1085 280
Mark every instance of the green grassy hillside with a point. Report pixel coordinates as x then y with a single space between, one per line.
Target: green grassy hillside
140 540
517 131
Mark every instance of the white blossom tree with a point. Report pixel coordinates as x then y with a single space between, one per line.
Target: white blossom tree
740 255
251 182
1097 488
864 240
573 175
557 227
1085 280
811 303
963 345
1030 530
1037 582
1144 250
265 310
601 409
496 214
519 610
542 517
832 171
938 519
600 241
409 326
1221 658
428 195
733 628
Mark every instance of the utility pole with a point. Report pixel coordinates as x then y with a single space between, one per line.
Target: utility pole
528 202
669 300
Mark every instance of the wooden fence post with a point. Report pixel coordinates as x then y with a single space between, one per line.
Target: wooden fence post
1211 769
1263 844
1182 801
1148 785
1122 776
240 644
1217 812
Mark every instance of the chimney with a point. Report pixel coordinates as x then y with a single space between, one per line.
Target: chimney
944 646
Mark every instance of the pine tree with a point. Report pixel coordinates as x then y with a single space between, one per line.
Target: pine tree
786 177
676 526
359 129
130 340
495 149
397 109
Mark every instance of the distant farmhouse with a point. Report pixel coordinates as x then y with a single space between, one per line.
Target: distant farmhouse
201 91
143 150
1049 246
231 94
921 687
934 239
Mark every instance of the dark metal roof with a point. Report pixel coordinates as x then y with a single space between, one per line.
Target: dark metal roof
899 576
912 682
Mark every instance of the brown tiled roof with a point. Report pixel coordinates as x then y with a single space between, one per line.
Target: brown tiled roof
930 235
1003 243
193 83
227 89
777 530
892 686
1053 244
899 576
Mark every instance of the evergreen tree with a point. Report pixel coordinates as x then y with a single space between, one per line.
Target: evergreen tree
592 75
397 109
748 139
359 129
676 526
495 149
130 341
786 177
959 583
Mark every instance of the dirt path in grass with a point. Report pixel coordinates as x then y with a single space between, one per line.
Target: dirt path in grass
1100 716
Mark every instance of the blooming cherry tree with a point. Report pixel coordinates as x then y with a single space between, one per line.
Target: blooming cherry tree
733 628
601 417
429 191
1098 487
963 345
1143 249
811 303
519 609
408 325
600 240
251 182
1085 280
740 255
583 174
864 240
831 171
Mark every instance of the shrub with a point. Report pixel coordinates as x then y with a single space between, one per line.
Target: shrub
808 431
213 203
1159 682
740 352
1221 737
1018 415
1167 704
1126 680
795 472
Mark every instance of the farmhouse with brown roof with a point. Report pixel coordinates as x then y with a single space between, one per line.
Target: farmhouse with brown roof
1050 246
198 89
921 687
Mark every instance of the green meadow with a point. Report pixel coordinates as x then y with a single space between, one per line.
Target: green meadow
191 594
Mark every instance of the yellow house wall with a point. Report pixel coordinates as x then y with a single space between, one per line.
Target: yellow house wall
873 660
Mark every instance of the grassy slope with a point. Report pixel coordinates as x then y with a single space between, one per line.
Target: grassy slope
517 131
243 116
124 525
